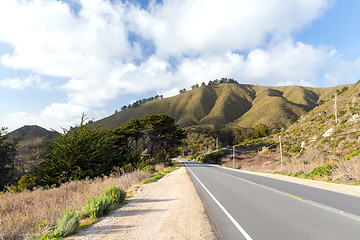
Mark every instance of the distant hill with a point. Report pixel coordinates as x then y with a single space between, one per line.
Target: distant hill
32 132
229 104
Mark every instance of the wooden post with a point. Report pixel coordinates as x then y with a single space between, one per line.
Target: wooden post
281 155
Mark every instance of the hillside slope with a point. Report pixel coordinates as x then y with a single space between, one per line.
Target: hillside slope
323 144
32 132
228 103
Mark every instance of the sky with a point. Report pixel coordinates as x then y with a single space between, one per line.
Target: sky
62 58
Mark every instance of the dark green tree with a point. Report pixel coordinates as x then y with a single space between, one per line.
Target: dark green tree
79 153
163 134
8 150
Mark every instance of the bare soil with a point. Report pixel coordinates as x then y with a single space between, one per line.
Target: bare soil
167 209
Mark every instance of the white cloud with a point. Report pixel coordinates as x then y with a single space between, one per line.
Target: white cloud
55 116
28 82
250 41
197 26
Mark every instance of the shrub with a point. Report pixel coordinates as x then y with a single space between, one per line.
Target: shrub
97 206
214 158
148 168
194 156
117 194
26 182
323 171
68 222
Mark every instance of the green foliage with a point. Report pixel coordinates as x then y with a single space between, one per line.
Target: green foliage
45 236
321 102
344 89
212 158
293 119
159 131
353 154
68 222
117 194
8 150
148 168
341 112
97 206
199 142
79 153
153 178
194 155
163 134
322 171
26 182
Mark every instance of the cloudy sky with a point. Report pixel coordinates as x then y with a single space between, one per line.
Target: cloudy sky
59 59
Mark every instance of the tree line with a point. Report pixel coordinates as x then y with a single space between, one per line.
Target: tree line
141 102
210 83
86 152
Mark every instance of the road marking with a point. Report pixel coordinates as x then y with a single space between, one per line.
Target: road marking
237 225
253 182
294 196
320 205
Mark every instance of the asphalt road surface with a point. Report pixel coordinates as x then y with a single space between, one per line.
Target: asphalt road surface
246 206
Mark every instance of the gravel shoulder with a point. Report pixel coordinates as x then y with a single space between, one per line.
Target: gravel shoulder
341 188
167 209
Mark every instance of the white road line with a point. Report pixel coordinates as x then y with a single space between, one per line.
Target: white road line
237 225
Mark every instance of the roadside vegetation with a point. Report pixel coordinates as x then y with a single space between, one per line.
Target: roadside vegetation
82 175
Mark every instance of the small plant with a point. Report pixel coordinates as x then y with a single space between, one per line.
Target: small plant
68 222
97 206
117 194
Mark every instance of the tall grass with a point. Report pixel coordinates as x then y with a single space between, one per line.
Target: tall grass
21 213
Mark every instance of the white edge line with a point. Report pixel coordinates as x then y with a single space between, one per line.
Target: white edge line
237 225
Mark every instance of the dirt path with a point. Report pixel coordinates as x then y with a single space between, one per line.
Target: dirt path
167 209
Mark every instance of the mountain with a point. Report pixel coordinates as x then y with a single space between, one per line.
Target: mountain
32 132
230 104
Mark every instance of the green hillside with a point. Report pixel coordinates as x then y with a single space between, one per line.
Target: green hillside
323 144
228 104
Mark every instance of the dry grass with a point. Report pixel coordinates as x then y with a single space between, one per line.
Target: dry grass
21 213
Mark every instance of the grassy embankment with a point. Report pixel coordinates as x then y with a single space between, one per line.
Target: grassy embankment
37 213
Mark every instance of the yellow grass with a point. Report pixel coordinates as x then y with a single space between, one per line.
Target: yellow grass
21 213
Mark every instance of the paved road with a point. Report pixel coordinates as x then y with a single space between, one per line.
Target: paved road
246 206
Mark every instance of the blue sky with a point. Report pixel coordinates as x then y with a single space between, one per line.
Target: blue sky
59 59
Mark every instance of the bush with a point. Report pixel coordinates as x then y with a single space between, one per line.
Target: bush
148 168
97 206
194 156
68 222
117 194
323 171
212 158
26 182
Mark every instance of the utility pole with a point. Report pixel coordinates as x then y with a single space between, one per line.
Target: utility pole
335 108
217 144
281 155
234 156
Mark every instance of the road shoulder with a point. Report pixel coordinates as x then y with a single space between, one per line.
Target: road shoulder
341 188
167 209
